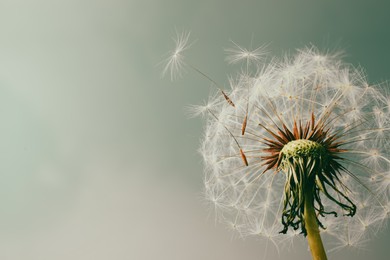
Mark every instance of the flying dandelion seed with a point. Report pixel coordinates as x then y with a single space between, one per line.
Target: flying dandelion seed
304 149
175 61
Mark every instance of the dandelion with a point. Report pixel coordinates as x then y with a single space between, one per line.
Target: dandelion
303 149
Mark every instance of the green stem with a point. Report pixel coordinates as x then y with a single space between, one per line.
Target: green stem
311 225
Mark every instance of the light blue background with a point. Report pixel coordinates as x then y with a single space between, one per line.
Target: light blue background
98 159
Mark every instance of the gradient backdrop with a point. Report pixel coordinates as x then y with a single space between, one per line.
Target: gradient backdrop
98 158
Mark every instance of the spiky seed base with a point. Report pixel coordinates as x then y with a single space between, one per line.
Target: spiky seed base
309 157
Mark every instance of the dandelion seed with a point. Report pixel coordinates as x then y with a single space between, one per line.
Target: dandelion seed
244 122
243 157
239 54
202 110
230 102
175 62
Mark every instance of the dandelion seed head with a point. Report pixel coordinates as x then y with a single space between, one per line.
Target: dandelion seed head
307 122
325 107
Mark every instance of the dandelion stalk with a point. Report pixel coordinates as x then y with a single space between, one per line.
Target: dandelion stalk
313 233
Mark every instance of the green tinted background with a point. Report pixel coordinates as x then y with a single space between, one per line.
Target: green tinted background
98 157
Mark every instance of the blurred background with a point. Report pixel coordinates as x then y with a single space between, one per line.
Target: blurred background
98 158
